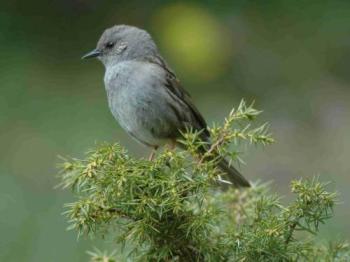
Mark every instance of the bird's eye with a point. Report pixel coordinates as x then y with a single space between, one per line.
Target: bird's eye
109 45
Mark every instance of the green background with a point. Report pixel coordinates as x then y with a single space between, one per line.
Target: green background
291 57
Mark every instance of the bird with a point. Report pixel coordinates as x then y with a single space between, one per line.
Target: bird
145 96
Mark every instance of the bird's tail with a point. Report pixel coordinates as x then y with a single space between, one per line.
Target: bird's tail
233 174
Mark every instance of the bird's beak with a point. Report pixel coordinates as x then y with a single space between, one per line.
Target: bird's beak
93 53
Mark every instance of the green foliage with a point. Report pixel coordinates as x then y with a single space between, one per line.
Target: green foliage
172 208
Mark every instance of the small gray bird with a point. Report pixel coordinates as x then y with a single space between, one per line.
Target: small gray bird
144 94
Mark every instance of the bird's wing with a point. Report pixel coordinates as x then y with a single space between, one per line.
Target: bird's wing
196 120
179 93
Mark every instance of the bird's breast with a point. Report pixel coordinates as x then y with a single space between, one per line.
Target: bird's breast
136 103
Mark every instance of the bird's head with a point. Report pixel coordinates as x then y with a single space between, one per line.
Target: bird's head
121 43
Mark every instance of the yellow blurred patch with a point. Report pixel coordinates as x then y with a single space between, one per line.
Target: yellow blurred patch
194 39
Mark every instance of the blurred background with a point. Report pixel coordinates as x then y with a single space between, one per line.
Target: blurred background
291 57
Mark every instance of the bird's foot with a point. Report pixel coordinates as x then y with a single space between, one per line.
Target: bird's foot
172 145
153 153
